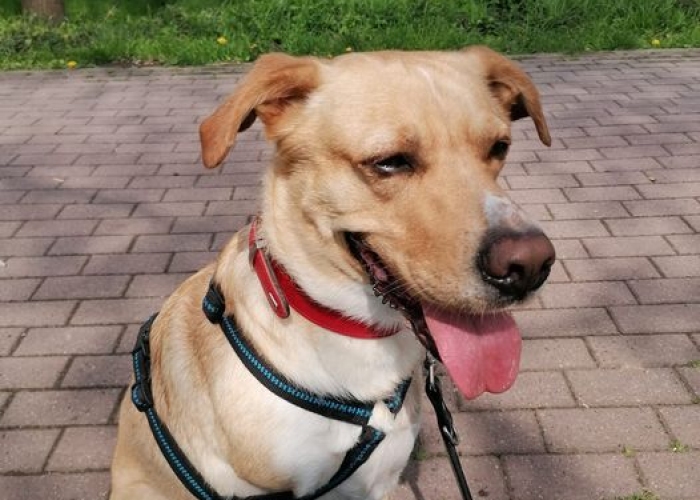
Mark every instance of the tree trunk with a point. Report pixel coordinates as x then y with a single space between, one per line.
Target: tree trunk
50 9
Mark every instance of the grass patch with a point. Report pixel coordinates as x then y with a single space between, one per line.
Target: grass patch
643 495
185 32
677 447
628 451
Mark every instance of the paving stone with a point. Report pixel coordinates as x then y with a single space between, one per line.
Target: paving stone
685 243
99 371
17 267
564 323
114 311
569 249
82 287
30 373
679 266
612 178
80 486
581 430
525 196
661 291
611 269
79 245
574 228
102 211
555 354
542 181
657 318
172 243
9 337
595 294
433 478
605 193
171 209
691 376
625 164
486 433
628 246
59 196
84 448
628 387
191 261
682 421
145 225
671 475
209 224
647 226
28 212
69 341
127 264
587 210
8 228
643 350
113 196
18 289
646 208
25 451
571 477
26 314
56 408
155 285
531 390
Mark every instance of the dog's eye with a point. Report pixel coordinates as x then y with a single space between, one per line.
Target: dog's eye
393 164
499 149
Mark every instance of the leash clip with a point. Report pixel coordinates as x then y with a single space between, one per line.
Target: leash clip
433 389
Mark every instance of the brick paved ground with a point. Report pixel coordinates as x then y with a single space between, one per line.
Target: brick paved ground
104 209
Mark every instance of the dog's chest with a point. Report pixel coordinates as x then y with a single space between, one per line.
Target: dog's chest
314 451
308 449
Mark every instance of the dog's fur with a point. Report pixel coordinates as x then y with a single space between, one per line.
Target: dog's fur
331 122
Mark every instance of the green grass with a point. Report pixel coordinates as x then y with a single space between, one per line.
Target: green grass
644 495
185 32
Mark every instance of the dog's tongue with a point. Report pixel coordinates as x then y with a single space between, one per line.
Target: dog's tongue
481 352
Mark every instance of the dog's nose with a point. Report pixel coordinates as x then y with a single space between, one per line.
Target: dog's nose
516 263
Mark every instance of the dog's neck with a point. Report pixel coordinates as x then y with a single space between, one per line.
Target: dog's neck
322 362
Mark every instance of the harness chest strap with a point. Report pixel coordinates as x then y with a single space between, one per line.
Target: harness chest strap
347 410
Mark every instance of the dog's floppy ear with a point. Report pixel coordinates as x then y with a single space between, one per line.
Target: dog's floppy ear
275 81
513 88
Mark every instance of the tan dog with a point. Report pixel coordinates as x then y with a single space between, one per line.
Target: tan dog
384 173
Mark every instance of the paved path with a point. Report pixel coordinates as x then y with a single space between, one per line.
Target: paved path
104 208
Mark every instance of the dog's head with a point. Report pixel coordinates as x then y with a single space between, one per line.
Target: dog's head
386 172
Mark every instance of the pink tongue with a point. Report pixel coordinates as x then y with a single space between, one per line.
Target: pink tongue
481 352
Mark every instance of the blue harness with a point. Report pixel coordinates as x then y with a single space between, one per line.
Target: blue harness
344 409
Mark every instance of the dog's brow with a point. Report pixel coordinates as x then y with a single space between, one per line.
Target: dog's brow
381 142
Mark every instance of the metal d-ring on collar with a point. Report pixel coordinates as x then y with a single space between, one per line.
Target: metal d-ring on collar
347 410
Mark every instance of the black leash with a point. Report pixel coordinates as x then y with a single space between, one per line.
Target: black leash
446 425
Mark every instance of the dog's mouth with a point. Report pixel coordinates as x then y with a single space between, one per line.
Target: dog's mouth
481 351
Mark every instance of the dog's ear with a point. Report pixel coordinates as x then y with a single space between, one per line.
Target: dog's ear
512 88
275 82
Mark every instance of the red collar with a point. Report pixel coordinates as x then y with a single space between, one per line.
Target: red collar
281 293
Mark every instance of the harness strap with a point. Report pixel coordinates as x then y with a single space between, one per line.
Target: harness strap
346 410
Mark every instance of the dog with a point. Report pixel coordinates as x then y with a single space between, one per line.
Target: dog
381 212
